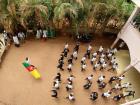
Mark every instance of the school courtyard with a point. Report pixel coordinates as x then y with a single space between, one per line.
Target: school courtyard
18 87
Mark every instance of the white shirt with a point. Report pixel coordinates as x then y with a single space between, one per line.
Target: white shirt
44 33
69 86
84 66
70 66
100 49
107 94
102 60
89 47
96 65
126 85
71 97
102 56
115 67
93 59
104 65
89 78
94 54
66 46
75 54
121 78
38 34
84 58
71 78
15 39
101 78
117 86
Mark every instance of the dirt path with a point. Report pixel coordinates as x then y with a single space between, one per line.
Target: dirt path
18 87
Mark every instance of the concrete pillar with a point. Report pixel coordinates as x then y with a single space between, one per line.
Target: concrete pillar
134 13
115 42
135 102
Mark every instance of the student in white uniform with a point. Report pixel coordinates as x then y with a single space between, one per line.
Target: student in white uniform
96 66
83 67
93 60
71 97
16 41
44 34
89 78
107 94
69 68
101 78
75 54
38 34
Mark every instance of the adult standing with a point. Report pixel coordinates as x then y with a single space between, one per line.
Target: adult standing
16 41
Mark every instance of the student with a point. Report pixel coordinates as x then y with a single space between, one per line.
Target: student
88 54
61 57
27 60
102 55
77 47
66 45
100 50
101 60
89 78
69 68
58 77
71 97
107 94
113 78
96 66
54 93
113 60
89 47
16 41
94 55
118 97
44 34
75 54
101 78
126 85
21 37
109 56
116 87
93 96
120 78
114 67
83 60
87 85
102 85
69 86
65 52
70 60
56 84
83 67
130 93
103 66
60 65
38 34
93 60
71 78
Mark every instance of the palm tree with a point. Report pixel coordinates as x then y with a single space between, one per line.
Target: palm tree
9 16
34 13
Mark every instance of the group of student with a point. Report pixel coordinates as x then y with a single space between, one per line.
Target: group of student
20 37
101 60
41 33
17 39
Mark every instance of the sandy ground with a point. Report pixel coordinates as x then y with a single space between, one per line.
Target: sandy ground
18 87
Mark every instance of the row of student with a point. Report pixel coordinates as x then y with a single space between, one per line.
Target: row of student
93 95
